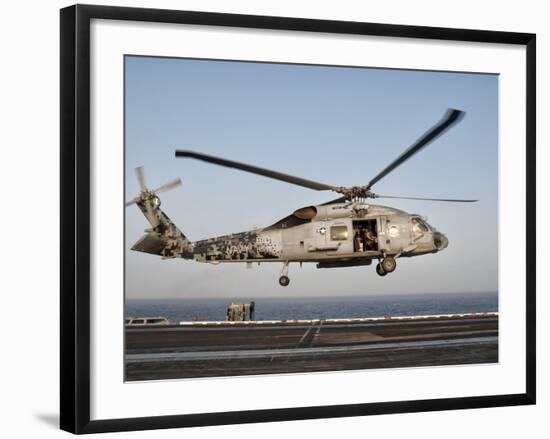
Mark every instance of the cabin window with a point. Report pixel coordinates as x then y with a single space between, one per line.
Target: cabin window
138 322
155 320
339 233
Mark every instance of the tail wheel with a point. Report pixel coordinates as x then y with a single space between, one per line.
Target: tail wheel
284 281
388 264
380 270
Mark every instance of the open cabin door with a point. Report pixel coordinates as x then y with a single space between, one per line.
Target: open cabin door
364 235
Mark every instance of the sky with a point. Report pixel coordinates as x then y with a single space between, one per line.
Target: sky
337 125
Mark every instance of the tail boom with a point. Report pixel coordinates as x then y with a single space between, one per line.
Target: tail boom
164 238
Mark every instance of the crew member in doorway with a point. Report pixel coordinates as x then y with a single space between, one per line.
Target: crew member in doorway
356 241
364 239
371 239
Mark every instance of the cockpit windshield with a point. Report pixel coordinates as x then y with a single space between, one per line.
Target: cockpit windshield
420 226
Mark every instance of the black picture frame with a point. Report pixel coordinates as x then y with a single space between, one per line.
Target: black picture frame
75 217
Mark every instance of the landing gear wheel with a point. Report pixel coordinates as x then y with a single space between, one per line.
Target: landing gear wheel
284 281
380 270
388 264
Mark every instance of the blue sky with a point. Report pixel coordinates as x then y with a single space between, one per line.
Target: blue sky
338 125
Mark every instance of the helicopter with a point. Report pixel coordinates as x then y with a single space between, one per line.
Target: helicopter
347 231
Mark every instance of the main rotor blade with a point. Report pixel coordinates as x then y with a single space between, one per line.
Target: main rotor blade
426 199
451 117
256 170
335 201
129 203
168 186
141 178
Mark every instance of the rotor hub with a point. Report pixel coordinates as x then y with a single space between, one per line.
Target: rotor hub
356 193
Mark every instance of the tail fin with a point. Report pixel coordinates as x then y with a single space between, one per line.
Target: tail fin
163 238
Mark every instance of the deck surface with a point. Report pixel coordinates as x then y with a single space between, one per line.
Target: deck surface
221 349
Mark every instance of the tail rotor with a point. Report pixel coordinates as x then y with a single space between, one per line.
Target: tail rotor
140 174
163 238
168 186
150 195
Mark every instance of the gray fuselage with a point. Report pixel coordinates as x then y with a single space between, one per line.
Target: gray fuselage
326 233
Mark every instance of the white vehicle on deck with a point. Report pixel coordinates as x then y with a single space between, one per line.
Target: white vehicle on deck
146 321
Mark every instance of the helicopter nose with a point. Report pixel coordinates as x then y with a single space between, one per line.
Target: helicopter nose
440 241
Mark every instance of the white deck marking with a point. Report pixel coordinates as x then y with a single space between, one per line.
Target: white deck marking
260 353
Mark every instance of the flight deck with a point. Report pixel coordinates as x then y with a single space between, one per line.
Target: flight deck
223 348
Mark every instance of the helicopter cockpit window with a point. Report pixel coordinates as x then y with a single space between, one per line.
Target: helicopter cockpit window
420 226
339 233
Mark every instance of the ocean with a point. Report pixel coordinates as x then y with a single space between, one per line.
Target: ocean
292 308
